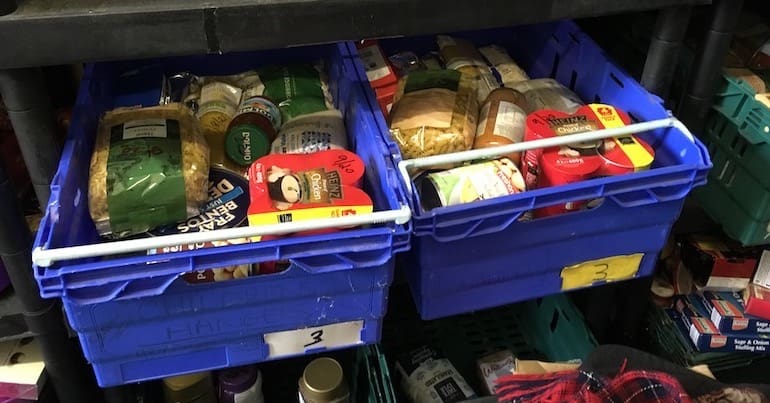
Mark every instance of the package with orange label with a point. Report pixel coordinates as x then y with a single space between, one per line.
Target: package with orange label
294 187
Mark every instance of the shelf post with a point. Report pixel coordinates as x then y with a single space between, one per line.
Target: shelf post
663 53
29 109
67 371
708 64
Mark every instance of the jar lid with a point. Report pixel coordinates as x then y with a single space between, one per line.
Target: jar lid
237 380
323 379
245 143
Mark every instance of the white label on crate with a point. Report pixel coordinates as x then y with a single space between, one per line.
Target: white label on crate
763 270
292 342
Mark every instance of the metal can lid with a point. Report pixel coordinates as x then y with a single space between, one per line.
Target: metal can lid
323 379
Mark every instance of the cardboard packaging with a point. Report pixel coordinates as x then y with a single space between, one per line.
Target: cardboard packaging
728 314
493 366
718 264
533 367
757 301
707 338
22 370
762 276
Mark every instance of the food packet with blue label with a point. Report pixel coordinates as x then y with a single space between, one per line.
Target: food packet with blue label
149 168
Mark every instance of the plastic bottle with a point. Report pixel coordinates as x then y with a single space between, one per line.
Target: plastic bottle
241 385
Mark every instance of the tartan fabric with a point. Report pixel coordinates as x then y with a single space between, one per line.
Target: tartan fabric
585 387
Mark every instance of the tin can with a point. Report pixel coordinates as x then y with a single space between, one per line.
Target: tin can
625 154
552 123
566 165
480 181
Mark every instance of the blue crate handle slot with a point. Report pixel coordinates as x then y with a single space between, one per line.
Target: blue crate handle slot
46 257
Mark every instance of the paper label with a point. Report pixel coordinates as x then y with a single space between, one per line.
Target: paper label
300 341
762 277
135 129
726 283
601 270
374 63
510 121
219 97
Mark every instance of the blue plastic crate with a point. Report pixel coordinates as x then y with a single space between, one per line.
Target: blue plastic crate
67 221
137 320
196 327
480 255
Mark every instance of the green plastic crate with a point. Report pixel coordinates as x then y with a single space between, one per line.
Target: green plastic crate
550 329
735 101
669 342
737 195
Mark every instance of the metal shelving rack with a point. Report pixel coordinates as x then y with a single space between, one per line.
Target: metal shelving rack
43 32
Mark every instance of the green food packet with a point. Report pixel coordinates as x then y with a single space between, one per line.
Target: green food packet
285 82
291 108
145 183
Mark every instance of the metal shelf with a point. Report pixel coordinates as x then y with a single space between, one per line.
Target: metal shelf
48 32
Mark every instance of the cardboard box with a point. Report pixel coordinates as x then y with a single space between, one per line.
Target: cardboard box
22 370
728 314
762 276
385 96
493 366
757 301
706 337
533 367
719 264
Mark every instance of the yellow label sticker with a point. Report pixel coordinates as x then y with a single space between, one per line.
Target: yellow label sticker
638 155
600 270
607 115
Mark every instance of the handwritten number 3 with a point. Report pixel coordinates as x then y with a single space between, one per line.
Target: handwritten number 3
316 336
601 272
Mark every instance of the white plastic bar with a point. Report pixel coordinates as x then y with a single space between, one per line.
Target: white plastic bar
46 257
485 153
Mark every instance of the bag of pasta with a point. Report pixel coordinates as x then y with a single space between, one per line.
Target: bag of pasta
434 112
149 168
